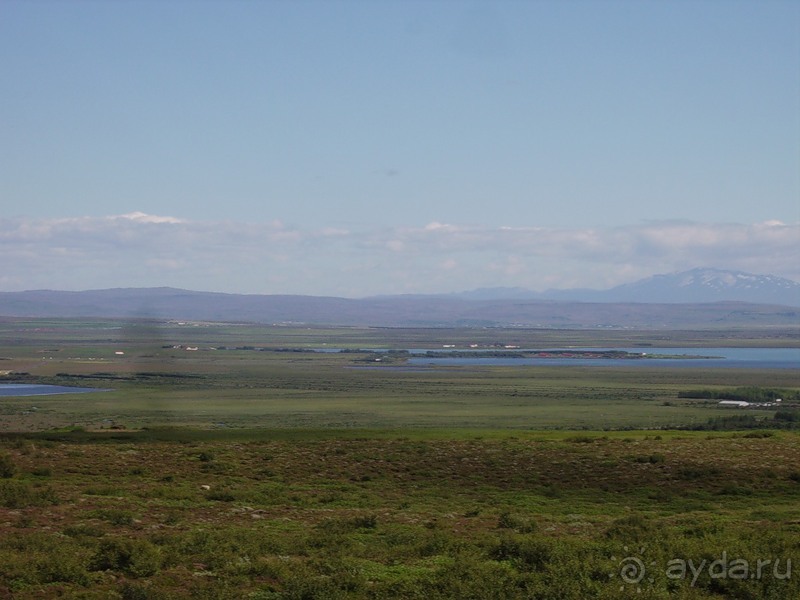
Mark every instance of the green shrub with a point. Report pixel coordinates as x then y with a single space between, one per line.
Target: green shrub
115 516
691 473
759 434
365 522
41 558
138 558
221 495
68 566
348 525
506 520
733 489
136 591
101 490
789 416
7 466
652 459
581 439
635 527
83 530
525 553
19 494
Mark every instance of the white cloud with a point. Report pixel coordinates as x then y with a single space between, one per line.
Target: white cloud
145 218
150 250
436 226
449 264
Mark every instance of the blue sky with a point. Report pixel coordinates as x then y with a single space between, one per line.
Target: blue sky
352 148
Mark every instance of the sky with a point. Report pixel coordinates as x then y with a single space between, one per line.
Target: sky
377 147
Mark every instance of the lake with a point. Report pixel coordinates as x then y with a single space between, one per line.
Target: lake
725 358
34 389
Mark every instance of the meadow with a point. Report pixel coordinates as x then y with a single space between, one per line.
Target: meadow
258 469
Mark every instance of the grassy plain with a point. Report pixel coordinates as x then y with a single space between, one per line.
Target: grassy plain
161 380
265 474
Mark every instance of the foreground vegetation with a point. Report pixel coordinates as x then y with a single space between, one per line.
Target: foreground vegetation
267 471
420 514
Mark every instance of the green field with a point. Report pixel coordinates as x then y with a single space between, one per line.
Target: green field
246 376
263 470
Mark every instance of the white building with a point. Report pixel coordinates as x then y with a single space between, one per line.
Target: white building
734 403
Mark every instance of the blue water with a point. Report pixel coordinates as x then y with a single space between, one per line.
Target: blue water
725 358
33 389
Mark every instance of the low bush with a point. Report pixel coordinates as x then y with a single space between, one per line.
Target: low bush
506 520
7 467
138 558
20 494
525 553
653 459
115 516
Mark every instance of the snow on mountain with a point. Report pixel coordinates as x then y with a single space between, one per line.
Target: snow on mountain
696 285
708 285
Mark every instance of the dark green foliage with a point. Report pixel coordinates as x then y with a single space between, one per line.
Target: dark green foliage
135 557
507 520
221 495
102 490
136 591
581 439
36 559
83 530
652 459
747 394
7 467
365 522
695 472
634 528
348 525
734 489
20 494
115 516
739 422
524 552
755 435
789 416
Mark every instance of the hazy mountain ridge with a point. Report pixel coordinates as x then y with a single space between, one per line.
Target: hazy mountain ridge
710 285
696 285
476 309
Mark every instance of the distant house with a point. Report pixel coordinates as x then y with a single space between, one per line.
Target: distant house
734 403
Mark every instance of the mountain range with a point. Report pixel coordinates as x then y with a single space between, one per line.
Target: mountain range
696 285
697 298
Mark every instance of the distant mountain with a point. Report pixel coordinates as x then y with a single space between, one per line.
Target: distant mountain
390 311
697 285
711 285
498 293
